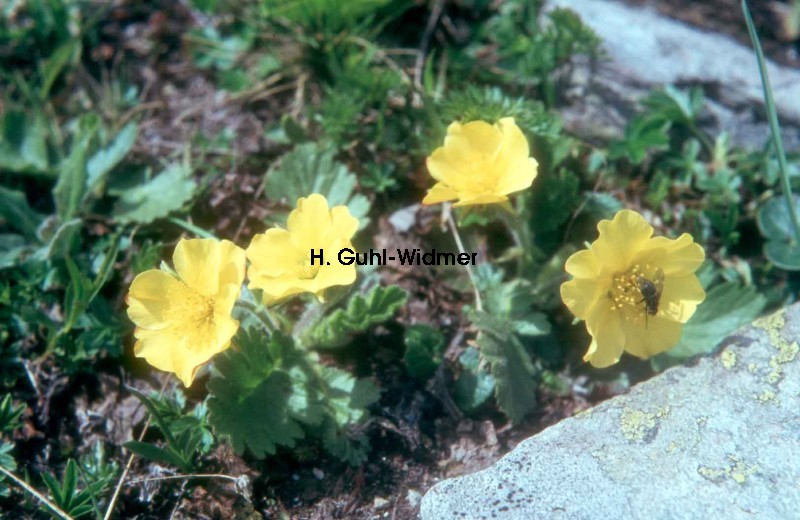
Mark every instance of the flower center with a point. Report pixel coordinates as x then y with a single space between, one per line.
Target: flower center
191 310
627 288
307 270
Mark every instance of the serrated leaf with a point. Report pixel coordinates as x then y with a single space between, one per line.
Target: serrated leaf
775 223
642 136
166 192
258 420
424 352
308 169
18 214
348 396
361 313
726 308
350 448
514 372
104 160
475 384
511 301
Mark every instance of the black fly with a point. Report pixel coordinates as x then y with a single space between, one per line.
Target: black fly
651 293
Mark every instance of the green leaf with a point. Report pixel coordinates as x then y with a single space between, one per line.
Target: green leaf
673 104
12 248
104 160
23 143
475 384
71 185
154 453
775 223
601 205
511 301
348 397
424 353
642 135
55 63
514 373
246 384
233 414
555 199
362 312
63 241
311 169
726 308
166 192
18 214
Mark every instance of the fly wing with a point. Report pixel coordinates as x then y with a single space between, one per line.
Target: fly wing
658 280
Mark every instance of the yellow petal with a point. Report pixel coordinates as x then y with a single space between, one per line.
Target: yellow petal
231 266
310 223
645 339
273 253
343 223
484 198
148 306
439 193
679 257
518 176
580 296
680 298
197 262
334 274
583 264
621 239
608 338
465 143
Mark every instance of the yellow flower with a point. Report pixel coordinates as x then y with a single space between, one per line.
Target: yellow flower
182 321
280 259
635 291
481 163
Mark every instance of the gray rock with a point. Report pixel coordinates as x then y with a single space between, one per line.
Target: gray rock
720 439
646 50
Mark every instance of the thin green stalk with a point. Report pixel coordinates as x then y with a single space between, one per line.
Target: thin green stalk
191 228
261 314
43 499
772 116
448 216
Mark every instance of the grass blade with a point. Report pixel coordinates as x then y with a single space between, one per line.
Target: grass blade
772 117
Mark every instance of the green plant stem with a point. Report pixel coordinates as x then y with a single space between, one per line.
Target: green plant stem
43 499
772 116
448 217
191 228
261 313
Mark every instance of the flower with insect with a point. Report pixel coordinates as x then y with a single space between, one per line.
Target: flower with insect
634 291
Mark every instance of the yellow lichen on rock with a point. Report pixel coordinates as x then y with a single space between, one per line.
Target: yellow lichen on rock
728 359
636 425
